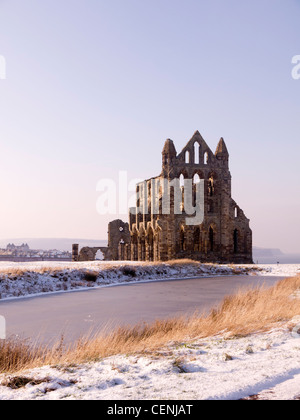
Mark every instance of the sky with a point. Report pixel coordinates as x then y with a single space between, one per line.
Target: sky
94 87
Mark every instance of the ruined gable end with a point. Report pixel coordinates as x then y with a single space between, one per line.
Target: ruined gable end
159 233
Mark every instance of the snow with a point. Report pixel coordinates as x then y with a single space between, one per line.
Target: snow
280 270
28 279
259 366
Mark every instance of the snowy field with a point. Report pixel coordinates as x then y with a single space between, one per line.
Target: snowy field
259 366
28 279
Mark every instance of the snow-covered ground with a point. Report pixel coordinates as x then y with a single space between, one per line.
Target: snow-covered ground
27 279
280 270
259 366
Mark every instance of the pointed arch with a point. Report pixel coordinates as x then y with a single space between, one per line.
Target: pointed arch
142 248
211 187
212 183
205 158
182 239
157 243
150 244
196 153
134 249
187 157
181 180
196 181
198 172
99 255
197 239
196 178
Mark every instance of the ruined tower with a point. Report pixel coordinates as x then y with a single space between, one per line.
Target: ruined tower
224 234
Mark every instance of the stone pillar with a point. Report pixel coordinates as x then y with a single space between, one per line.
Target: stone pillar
75 253
121 251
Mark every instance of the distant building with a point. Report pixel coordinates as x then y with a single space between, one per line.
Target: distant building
20 248
23 252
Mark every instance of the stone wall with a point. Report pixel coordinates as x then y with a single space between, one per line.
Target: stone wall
224 235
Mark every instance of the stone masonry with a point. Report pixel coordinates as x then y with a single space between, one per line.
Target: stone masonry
224 235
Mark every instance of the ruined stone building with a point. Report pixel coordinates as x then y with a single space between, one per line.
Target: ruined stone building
223 235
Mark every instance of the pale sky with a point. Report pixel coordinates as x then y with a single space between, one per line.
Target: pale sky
96 86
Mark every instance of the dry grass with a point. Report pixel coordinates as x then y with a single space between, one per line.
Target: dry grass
19 272
21 381
100 268
96 265
245 312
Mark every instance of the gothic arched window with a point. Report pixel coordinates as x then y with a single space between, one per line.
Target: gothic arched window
205 158
197 239
211 187
182 240
187 157
196 153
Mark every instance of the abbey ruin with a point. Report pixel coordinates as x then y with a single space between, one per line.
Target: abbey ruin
160 232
